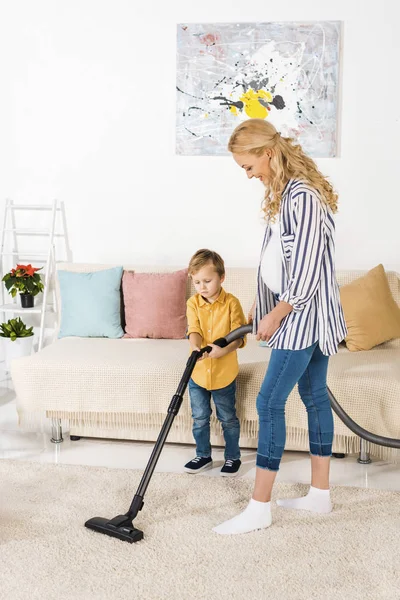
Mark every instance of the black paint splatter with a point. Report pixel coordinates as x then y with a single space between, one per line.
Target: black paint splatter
278 102
228 102
195 108
191 132
186 94
220 81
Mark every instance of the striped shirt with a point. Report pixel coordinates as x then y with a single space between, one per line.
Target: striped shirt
308 274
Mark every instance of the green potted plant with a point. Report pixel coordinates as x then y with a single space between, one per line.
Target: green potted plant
25 280
18 339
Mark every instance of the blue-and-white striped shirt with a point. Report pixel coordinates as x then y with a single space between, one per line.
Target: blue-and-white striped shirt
308 274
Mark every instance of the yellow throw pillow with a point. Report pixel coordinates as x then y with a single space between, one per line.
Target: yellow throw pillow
371 313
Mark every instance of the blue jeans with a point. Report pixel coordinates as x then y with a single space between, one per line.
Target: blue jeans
224 400
308 368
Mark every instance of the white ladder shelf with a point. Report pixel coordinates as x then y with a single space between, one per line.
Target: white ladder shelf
47 257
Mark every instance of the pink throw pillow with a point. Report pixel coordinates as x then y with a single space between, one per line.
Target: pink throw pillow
155 304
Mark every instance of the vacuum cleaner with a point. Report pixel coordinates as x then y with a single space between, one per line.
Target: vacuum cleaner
121 526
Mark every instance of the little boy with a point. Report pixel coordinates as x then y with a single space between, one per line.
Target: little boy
213 313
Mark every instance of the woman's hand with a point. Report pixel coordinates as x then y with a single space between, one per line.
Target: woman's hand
216 352
272 321
267 327
250 316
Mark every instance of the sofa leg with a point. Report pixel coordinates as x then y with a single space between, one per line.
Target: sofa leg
338 455
74 438
363 458
56 431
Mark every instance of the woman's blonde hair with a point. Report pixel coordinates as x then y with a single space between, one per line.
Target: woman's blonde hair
288 161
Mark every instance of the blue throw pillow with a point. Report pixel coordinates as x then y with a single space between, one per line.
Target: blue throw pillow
91 303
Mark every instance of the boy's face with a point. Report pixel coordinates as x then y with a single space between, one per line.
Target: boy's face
207 282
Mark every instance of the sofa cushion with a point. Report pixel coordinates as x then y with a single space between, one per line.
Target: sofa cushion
371 313
91 303
155 304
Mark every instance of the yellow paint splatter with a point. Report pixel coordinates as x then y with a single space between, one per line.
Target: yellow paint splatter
233 110
252 106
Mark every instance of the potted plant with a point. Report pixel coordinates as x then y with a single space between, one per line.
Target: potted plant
19 339
25 280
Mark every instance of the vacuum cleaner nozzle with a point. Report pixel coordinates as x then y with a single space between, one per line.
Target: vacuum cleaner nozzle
120 527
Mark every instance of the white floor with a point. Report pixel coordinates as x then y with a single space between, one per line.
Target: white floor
295 467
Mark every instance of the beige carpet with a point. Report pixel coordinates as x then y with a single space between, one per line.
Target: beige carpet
46 553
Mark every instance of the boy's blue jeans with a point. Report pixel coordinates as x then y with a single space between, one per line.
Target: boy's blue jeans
224 400
308 368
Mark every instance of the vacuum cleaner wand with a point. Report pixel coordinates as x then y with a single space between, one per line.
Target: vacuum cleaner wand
121 526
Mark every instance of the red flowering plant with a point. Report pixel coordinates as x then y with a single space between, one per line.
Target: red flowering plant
24 279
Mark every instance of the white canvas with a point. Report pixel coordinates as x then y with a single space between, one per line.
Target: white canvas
284 72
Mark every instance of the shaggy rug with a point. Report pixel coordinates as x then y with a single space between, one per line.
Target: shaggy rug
47 553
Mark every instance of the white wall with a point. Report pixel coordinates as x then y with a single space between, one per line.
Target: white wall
87 115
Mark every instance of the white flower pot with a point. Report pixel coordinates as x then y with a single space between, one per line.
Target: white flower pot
21 347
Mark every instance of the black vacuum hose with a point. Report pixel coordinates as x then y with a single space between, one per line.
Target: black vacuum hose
343 416
358 430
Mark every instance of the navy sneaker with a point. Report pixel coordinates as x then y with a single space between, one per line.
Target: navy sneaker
231 468
200 463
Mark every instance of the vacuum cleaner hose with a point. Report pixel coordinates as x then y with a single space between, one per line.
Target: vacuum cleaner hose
347 420
358 430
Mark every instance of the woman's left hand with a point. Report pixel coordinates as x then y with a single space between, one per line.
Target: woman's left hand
267 327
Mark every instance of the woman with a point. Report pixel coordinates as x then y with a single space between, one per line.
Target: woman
297 311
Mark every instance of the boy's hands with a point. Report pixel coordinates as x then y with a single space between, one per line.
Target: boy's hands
216 352
197 349
204 355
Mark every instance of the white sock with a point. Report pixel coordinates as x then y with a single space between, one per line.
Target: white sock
256 515
317 500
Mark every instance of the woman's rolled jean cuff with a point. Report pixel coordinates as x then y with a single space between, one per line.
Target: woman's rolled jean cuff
268 464
329 455
321 450
322 447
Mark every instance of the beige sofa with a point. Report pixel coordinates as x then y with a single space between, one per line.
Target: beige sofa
121 388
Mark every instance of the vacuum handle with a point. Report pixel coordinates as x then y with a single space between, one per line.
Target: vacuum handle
229 338
240 332
137 502
221 342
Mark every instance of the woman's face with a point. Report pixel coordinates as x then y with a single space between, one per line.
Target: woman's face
255 166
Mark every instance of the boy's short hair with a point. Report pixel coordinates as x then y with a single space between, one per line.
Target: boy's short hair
203 257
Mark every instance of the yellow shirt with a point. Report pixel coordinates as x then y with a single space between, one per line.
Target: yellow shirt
213 321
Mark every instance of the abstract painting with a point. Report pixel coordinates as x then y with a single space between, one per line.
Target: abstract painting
285 72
